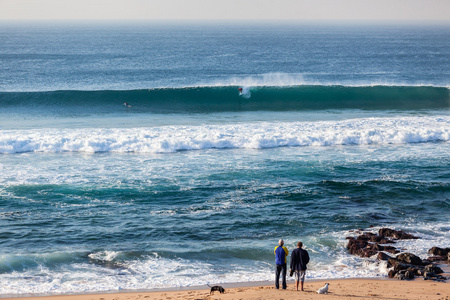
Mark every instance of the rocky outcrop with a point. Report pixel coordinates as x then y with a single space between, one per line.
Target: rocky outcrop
404 266
439 254
396 234
436 251
409 258
368 244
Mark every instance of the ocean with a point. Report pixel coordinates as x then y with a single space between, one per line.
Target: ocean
130 160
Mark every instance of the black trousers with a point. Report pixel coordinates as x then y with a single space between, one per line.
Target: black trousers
280 269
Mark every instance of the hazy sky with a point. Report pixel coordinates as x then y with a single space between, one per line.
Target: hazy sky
420 10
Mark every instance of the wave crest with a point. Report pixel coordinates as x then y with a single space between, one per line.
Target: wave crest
228 98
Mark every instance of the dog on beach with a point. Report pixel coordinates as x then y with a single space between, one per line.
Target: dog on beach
323 290
216 288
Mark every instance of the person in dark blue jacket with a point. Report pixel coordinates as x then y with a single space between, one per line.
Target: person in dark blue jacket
299 260
281 253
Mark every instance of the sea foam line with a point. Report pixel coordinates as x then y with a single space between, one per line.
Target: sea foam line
366 131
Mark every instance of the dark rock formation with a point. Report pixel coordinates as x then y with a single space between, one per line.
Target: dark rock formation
409 258
433 269
398 265
396 234
368 244
436 258
406 265
383 256
409 275
400 275
429 275
436 251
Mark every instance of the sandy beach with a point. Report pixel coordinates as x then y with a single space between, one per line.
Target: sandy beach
338 289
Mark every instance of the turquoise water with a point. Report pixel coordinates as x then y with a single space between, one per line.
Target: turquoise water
336 129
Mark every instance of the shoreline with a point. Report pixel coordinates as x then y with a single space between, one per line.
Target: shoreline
357 288
228 285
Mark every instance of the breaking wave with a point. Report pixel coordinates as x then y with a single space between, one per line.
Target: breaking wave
227 98
255 135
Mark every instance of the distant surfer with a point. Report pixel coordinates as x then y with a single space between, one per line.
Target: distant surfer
126 104
240 91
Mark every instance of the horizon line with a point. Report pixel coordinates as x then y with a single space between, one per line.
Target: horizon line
442 21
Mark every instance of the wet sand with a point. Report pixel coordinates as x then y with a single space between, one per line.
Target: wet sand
338 289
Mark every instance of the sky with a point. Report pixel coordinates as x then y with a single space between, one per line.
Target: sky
300 10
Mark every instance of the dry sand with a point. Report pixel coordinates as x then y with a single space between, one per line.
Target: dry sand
339 289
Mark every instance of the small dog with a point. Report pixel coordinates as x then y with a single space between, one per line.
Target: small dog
323 290
216 288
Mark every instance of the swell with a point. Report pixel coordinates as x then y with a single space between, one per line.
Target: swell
227 98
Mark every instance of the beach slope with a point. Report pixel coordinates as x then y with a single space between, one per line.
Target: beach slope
338 289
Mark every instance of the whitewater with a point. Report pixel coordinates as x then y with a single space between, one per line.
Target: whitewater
369 131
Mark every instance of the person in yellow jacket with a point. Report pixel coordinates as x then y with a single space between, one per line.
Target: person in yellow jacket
281 253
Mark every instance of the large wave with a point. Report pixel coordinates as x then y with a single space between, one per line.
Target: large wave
227 98
257 135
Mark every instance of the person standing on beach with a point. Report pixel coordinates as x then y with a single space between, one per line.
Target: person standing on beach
299 260
281 253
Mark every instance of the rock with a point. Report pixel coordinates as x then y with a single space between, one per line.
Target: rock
414 272
399 266
368 244
392 261
432 269
368 252
364 237
436 251
409 275
383 256
448 257
358 247
400 276
409 258
361 247
387 241
436 258
391 249
396 234
391 273
379 239
429 275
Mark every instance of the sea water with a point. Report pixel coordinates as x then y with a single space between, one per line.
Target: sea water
192 182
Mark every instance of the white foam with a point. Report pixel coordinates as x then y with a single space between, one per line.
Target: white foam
152 272
256 135
104 255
